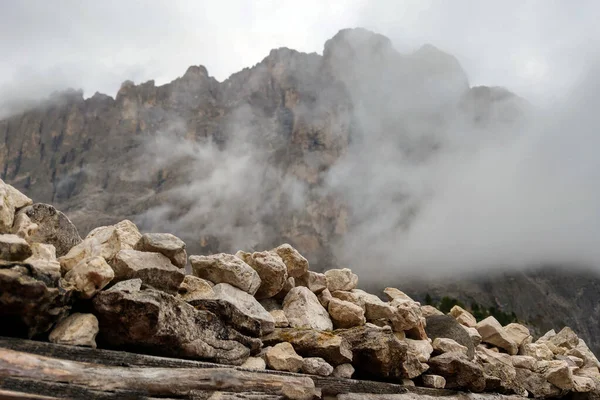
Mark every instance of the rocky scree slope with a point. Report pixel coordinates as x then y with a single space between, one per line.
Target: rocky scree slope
118 288
301 114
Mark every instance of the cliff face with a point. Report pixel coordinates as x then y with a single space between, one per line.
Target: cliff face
254 161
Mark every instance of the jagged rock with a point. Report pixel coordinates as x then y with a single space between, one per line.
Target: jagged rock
238 308
23 227
345 314
493 333
526 362
539 351
421 349
154 321
10 201
89 277
582 351
310 343
43 259
325 297
547 336
341 279
500 374
289 284
254 363
474 334
576 360
315 281
14 248
376 351
281 320
582 384
343 371
517 333
129 286
76 330
447 345
271 270
463 316
30 301
407 316
556 372
295 263
459 371
166 244
226 268
536 384
283 357
105 241
303 310
194 288
566 338
51 227
270 304
430 311
396 294
447 326
434 381
316 366
154 269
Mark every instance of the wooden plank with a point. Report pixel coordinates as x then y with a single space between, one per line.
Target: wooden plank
150 381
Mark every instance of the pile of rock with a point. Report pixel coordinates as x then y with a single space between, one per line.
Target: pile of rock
257 310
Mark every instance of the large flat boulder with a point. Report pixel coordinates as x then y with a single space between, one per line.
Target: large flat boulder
239 309
154 269
166 244
158 323
226 268
311 343
493 332
303 310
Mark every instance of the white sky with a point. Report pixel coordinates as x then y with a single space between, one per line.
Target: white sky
534 47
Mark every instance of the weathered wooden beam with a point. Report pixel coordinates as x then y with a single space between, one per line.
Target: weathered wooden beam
151 381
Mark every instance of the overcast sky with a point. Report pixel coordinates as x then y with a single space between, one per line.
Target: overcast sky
534 48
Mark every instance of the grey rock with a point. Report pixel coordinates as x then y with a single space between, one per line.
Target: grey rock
166 244
53 227
316 366
226 268
343 371
445 326
154 269
459 372
315 281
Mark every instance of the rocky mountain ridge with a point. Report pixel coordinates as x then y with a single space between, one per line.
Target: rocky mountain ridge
277 135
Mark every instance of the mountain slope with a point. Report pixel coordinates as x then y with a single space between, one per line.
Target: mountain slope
300 148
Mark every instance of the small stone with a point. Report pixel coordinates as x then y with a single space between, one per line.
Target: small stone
463 316
315 281
539 351
429 311
343 371
14 248
582 384
421 349
434 381
316 366
341 279
446 345
300 392
526 362
128 286
76 330
303 310
254 363
459 372
295 263
474 334
271 270
517 333
43 259
325 297
396 294
89 277
408 382
345 314
493 333
226 268
281 320
283 357
166 244
194 288
447 326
